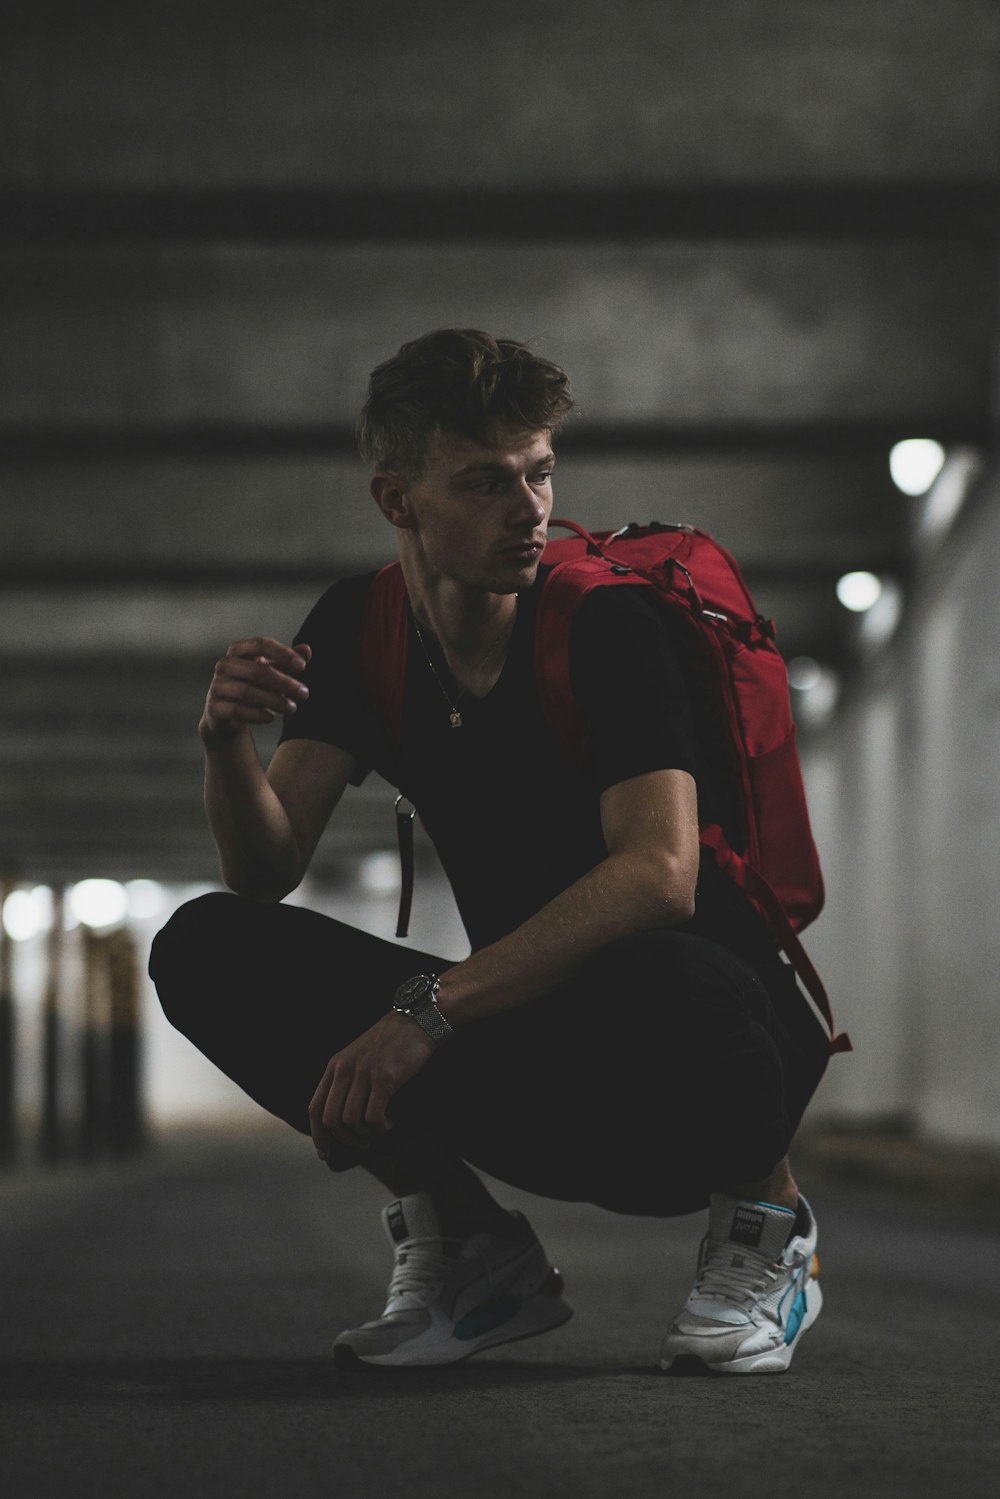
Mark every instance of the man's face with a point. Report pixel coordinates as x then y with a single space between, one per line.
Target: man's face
481 513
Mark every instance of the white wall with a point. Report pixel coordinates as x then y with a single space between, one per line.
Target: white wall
904 790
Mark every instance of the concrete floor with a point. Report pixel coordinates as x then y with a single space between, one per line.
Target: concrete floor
166 1324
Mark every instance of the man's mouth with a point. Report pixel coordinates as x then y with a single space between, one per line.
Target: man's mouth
526 550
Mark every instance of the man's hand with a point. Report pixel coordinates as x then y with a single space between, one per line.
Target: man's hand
253 682
351 1101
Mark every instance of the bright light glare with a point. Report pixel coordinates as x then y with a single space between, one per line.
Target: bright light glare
803 673
99 902
881 620
817 706
915 464
146 899
859 591
27 913
379 873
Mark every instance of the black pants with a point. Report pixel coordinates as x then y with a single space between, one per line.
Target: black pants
662 1070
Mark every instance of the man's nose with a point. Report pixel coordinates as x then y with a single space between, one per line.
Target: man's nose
527 502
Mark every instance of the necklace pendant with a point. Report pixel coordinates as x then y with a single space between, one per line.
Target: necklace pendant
456 719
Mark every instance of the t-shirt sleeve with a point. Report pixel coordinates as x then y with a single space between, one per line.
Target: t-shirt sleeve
336 710
626 676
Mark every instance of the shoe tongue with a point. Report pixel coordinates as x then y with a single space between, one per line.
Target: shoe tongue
412 1217
750 1225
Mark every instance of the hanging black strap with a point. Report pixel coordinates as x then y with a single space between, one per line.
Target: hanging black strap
404 832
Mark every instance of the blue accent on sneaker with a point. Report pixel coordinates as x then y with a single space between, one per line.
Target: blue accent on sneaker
795 1318
484 1318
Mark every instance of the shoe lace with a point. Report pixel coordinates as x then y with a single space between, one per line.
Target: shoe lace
421 1268
740 1277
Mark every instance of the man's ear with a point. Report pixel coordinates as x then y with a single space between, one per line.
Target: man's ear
391 494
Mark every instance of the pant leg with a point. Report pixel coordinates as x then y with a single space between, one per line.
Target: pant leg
270 992
661 1070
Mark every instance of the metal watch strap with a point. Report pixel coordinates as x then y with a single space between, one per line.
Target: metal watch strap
430 1019
415 998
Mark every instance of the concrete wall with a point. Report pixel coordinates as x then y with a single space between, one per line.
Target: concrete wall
905 791
301 91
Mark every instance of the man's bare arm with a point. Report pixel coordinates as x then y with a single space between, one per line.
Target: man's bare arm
647 881
266 827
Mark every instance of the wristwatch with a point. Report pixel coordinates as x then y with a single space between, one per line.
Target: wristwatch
416 998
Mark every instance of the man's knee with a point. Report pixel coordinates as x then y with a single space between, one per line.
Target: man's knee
182 949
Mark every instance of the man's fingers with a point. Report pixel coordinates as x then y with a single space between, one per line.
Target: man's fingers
316 1106
333 1109
378 1102
260 674
290 658
355 1103
247 696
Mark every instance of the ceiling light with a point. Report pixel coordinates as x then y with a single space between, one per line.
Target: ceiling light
99 902
27 913
859 591
915 463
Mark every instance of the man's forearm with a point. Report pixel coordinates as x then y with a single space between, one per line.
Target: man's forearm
625 893
258 853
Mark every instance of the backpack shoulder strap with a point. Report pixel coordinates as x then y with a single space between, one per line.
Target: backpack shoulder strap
382 670
383 647
563 591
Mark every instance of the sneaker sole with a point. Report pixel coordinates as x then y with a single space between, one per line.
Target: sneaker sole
771 1361
539 1313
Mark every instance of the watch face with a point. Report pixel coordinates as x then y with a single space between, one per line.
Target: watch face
413 991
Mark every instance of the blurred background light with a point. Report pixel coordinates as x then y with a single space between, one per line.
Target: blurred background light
803 673
859 591
378 873
816 704
962 470
880 621
146 899
99 902
27 913
915 463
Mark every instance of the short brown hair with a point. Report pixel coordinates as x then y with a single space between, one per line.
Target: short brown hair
461 382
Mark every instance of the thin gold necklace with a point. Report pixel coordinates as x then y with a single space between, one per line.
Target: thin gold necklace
456 717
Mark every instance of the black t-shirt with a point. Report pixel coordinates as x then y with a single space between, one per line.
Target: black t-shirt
514 818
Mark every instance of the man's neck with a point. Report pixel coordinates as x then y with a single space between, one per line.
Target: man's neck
466 622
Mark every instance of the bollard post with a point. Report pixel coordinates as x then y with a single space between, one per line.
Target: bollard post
93 1051
126 1123
8 1040
51 1141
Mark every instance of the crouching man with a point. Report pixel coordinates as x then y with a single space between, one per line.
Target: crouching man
624 1031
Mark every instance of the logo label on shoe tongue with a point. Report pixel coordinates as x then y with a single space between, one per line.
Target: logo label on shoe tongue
396 1222
748 1226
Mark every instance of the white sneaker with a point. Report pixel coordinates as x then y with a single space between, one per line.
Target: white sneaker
449 1298
755 1293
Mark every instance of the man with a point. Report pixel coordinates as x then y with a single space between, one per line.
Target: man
623 1031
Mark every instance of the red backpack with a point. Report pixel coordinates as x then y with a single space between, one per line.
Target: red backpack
700 585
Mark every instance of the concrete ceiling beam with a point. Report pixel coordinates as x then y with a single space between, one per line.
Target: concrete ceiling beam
290 91
285 518
689 334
